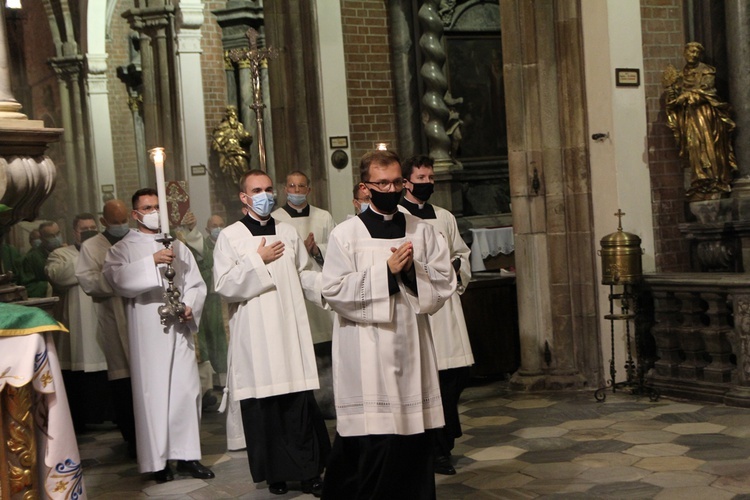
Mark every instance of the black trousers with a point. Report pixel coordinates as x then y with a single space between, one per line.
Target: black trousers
380 467
286 437
452 383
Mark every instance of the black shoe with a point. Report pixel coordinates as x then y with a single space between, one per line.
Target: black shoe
132 451
443 466
164 475
278 488
314 486
195 469
208 400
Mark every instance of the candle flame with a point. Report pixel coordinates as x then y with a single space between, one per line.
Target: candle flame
157 156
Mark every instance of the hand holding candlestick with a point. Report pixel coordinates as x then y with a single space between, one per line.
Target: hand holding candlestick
173 308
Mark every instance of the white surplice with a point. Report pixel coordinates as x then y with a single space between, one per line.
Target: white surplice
320 223
109 308
163 367
448 324
79 350
270 346
384 365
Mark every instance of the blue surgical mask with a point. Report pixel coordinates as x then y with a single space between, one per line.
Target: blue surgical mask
215 233
36 243
296 199
118 230
52 243
262 204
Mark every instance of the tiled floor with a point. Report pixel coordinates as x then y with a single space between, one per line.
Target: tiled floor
544 445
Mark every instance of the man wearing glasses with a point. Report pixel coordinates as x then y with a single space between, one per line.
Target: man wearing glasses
262 270
384 272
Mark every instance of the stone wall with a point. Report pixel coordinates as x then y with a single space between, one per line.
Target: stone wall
663 41
369 78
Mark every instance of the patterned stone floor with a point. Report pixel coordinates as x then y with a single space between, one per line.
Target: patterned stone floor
561 445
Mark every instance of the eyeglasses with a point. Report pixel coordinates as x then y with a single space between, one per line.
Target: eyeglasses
293 186
384 185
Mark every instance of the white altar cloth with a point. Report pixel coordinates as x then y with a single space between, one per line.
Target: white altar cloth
32 358
490 242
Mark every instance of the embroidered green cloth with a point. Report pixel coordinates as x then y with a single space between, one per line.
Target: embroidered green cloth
16 320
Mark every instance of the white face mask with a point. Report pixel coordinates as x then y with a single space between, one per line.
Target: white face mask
151 220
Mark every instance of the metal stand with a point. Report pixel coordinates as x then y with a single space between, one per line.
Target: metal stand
173 308
634 373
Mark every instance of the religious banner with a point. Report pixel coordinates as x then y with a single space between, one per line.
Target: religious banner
178 202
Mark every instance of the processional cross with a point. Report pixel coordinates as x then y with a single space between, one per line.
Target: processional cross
257 57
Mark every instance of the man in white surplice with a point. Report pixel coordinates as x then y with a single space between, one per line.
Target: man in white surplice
110 313
384 271
262 269
163 367
80 352
448 324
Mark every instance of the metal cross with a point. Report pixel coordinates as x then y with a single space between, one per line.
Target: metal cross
619 215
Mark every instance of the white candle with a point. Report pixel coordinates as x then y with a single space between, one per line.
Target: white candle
157 154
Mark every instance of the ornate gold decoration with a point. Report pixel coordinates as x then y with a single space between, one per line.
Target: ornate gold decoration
20 443
228 140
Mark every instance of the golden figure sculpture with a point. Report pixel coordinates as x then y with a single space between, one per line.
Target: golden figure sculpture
229 137
701 124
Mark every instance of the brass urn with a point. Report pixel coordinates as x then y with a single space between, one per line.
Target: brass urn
621 256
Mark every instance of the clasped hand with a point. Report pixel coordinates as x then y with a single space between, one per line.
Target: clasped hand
402 258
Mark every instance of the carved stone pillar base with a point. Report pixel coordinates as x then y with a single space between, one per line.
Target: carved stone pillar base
738 396
528 381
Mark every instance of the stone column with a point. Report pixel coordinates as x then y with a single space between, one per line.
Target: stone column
405 84
84 175
737 14
550 192
150 105
100 126
67 70
190 90
431 43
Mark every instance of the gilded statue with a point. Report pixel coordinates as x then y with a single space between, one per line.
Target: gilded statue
701 125
229 137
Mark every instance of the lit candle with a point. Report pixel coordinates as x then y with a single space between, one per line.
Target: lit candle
157 155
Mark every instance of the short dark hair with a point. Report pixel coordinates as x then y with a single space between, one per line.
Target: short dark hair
143 192
298 172
379 157
416 161
82 216
44 225
251 173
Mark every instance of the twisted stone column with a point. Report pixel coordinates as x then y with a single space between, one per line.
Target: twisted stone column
435 84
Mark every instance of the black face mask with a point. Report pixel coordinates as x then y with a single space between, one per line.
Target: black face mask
385 202
88 234
422 190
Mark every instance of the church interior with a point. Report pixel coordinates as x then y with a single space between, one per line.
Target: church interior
608 311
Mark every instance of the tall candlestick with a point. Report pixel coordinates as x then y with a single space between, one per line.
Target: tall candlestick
157 155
